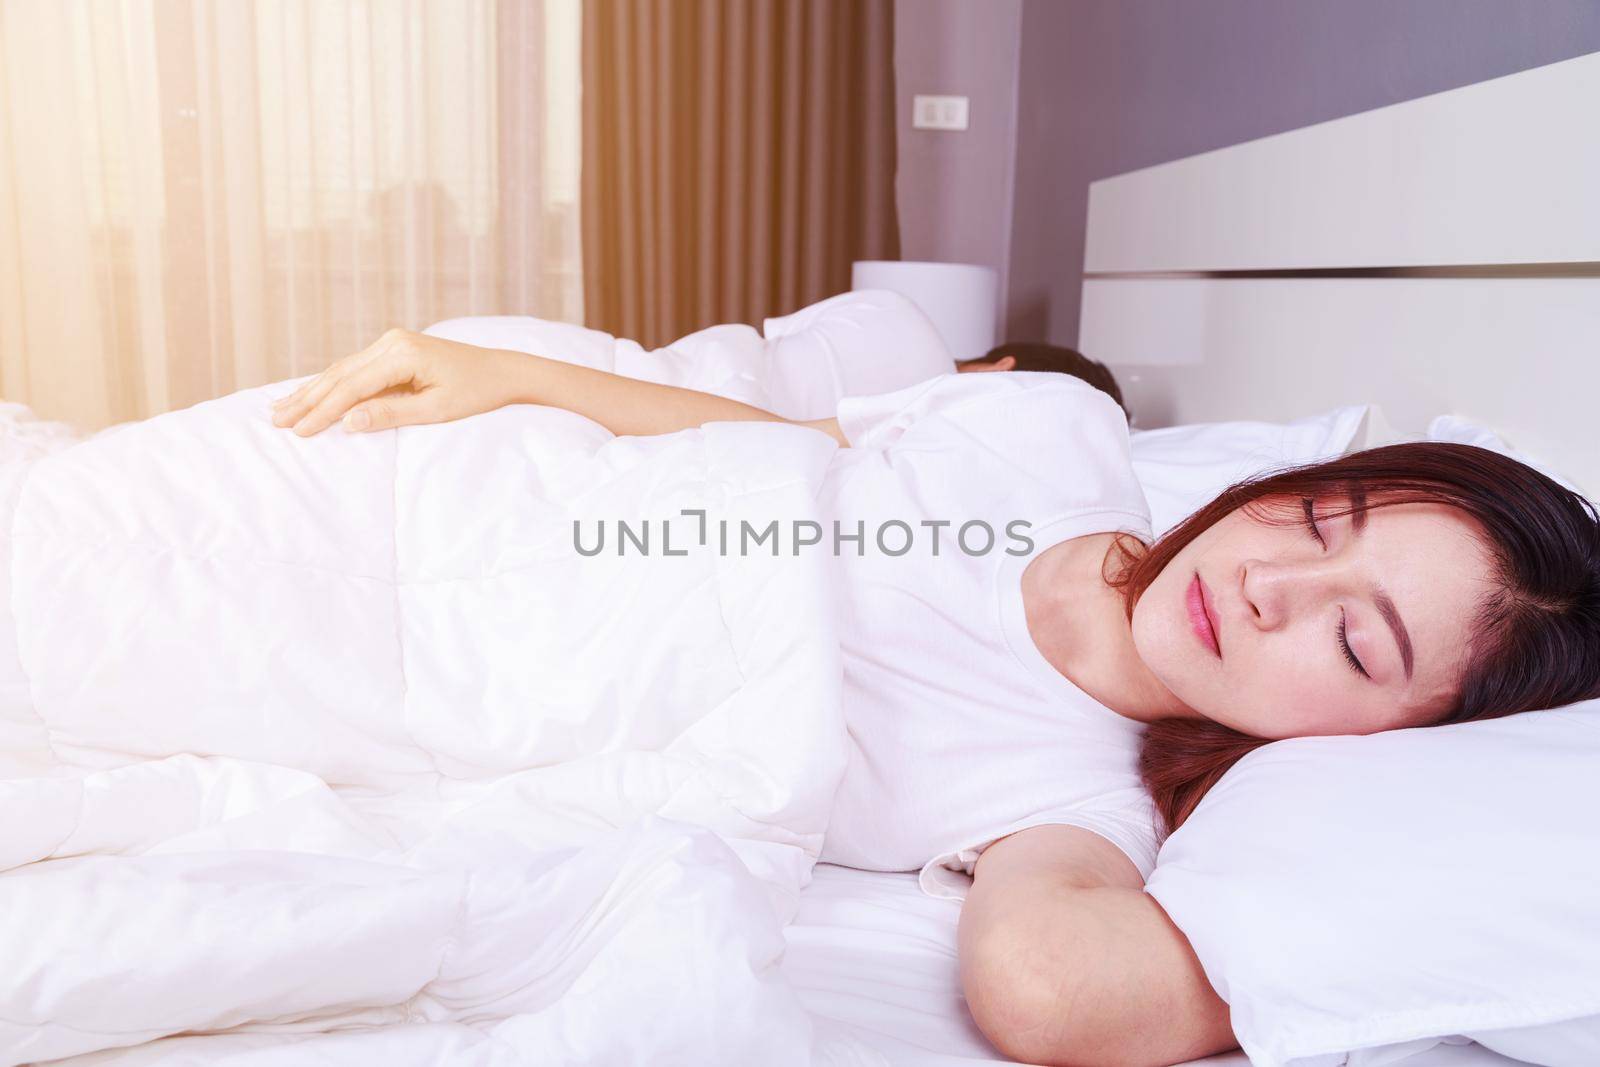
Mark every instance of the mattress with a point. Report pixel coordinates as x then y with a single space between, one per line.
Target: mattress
874 961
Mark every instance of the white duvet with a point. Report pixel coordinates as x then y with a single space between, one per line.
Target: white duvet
336 751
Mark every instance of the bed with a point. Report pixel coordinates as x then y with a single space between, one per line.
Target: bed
1439 257
1406 291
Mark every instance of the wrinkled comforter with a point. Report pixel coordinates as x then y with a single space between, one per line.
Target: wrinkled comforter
335 750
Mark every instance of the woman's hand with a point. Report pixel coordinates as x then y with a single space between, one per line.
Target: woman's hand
401 379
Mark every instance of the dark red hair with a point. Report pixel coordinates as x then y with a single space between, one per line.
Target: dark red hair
1536 638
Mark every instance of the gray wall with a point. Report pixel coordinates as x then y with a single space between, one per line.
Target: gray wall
1107 86
955 188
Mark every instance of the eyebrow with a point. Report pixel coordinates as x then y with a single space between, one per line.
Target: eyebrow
1386 608
1391 616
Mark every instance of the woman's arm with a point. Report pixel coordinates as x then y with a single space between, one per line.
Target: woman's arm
1066 960
405 378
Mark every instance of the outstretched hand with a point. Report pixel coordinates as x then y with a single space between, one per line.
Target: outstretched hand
401 379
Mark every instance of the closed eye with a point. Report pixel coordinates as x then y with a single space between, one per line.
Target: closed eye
1349 653
1306 505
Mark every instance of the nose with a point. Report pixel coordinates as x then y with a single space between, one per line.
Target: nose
1273 591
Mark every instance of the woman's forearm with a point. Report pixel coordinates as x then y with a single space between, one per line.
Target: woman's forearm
1097 976
625 406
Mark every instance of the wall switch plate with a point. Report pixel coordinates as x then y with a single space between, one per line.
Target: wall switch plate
938 112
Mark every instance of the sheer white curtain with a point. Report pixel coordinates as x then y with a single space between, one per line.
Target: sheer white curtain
198 196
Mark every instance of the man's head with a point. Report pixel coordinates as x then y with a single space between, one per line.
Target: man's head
1052 358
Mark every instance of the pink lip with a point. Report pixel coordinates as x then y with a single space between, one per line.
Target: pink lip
1201 619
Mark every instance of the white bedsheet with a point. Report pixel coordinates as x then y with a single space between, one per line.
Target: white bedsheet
874 961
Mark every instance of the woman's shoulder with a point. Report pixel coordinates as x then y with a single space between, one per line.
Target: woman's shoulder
1025 406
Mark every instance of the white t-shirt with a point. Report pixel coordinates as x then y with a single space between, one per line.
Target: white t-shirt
962 731
799 366
855 344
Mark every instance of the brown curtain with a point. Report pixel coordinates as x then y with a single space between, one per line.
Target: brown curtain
737 156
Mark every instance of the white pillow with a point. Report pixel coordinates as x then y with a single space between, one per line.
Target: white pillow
1466 432
1379 893
1182 468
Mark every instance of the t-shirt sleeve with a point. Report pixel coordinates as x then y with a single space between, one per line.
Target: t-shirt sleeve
1126 819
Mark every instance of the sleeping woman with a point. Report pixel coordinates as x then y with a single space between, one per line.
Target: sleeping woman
1029 721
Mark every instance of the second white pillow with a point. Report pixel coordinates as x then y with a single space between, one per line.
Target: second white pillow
1182 468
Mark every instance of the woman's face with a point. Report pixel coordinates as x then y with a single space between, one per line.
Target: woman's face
1406 580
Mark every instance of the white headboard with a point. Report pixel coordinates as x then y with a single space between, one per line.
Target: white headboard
1440 256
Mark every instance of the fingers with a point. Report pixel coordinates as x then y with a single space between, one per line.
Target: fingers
400 409
387 371
291 401
290 410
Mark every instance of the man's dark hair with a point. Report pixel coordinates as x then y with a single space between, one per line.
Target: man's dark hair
1059 360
